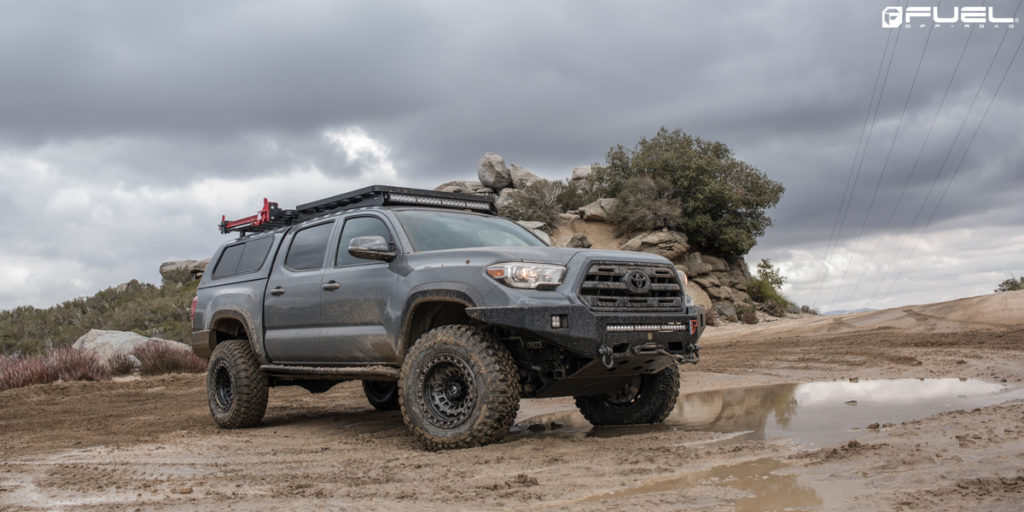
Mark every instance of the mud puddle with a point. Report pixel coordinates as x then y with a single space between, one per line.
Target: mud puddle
747 487
817 413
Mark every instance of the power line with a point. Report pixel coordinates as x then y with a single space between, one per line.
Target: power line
885 164
917 161
966 150
881 175
853 165
844 204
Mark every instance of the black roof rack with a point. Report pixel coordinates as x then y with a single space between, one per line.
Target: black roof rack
271 217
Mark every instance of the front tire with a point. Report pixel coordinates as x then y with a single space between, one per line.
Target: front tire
647 398
459 387
382 395
235 386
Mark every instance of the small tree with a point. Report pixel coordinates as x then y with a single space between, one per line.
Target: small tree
765 288
538 201
723 200
1011 284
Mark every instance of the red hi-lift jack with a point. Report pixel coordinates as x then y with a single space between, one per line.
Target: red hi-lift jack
269 213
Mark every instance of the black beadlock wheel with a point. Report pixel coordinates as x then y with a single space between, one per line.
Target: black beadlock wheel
459 387
382 395
643 399
235 386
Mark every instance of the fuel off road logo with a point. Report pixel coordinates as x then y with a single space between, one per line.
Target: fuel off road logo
924 16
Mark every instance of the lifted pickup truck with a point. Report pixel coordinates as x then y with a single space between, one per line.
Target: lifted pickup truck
442 309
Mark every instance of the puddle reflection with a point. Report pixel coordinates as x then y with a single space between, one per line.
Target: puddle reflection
813 413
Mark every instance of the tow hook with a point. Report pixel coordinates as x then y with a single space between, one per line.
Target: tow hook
606 356
692 355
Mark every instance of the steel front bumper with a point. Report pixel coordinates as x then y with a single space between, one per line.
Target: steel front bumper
608 335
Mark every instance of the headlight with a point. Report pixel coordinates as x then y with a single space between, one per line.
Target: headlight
683 280
527 275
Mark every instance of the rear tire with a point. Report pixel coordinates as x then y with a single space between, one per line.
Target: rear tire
459 387
382 395
647 398
235 386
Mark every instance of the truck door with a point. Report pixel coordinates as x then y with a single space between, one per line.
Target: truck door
355 299
291 306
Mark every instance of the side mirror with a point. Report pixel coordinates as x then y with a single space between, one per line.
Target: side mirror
371 248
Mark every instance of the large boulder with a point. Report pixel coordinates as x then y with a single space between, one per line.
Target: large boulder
493 173
670 244
600 209
536 228
169 269
521 178
725 311
700 297
695 266
464 187
105 345
504 198
578 241
717 264
580 174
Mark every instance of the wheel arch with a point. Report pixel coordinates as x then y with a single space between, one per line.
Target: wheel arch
428 309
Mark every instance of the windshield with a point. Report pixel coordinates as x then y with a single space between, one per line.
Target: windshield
438 230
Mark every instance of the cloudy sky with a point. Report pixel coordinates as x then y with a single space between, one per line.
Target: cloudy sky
128 128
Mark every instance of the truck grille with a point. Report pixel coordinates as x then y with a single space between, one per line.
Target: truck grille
631 286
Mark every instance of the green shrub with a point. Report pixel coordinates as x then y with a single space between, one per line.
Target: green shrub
537 202
747 314
578 194
1011 284
646 204
764 289
723 200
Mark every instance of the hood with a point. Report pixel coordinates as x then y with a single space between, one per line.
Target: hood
556 255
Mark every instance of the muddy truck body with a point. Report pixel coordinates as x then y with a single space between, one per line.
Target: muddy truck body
443 310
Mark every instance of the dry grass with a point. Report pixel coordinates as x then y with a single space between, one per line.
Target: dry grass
64 363
69 364
159 358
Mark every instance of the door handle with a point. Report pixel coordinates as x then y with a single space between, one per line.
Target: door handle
331 286
277 291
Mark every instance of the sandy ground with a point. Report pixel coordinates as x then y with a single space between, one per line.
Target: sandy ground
149 444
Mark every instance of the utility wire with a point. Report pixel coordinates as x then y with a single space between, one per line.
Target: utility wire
881 175
853 165
856 167
885 164
966 150
913 168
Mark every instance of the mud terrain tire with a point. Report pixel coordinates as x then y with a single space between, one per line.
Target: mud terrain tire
382 395
651 402
459 387
235 386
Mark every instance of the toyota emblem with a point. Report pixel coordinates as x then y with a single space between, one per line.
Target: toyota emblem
637 282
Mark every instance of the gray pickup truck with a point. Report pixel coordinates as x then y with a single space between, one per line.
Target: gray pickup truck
443 310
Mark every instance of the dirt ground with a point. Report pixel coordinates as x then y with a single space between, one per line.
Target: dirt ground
149 444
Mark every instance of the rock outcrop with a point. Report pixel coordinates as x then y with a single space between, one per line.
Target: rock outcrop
195 268
493 173
105 345
599 210
670 244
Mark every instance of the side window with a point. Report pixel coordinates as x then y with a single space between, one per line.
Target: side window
228 263
308 248
359 226
243 258
254 255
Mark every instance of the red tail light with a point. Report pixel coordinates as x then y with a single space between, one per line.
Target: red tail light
192 312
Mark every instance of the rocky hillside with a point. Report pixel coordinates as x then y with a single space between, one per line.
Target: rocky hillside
717 282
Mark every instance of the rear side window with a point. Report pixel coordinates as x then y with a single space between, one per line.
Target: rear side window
308 248
243 258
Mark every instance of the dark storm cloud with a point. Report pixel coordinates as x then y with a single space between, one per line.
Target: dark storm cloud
167 94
